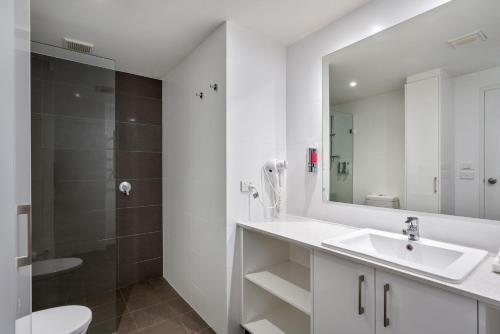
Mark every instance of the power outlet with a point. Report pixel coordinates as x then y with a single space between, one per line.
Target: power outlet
466 175
246 186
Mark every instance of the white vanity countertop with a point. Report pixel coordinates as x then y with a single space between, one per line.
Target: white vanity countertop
482 284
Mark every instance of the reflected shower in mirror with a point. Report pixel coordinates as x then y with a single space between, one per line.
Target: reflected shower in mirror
411 114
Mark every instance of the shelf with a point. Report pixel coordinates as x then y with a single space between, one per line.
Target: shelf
288 281
285 320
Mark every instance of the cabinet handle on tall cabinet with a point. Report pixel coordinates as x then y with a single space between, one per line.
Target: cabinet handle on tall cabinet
435 185
386 319
361 309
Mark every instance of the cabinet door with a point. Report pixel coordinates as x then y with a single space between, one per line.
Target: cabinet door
422 145
414 308
344 299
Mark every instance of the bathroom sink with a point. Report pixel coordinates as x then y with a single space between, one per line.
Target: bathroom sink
448 262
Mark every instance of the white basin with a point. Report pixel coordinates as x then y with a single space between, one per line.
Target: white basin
438 260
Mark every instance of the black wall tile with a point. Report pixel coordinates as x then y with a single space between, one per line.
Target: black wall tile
144 193
139 137
36 96
82 165
74 226
139 216
133 221
137 86
132 273
139 165
78 101
84 196
139 248
137 109
77 74
77 133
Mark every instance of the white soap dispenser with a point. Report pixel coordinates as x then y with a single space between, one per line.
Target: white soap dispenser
496 264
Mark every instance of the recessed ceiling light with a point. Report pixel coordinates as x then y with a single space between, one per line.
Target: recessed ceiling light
353 84
77 95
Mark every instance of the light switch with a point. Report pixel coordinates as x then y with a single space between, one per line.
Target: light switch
466 175
466 165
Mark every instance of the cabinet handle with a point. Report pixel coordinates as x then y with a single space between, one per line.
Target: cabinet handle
386 319
361 309
435 185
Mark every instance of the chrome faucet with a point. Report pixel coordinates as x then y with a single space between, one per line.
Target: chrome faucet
411 229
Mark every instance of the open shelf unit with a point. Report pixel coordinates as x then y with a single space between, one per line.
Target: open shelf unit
288 281
282 320
276 286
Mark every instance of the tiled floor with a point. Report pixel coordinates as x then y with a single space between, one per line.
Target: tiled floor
151 307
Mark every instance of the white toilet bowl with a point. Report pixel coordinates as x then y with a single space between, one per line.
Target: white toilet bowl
57 320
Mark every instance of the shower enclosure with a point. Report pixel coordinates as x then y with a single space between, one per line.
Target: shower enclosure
73 179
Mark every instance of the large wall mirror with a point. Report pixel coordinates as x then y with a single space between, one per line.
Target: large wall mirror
412 114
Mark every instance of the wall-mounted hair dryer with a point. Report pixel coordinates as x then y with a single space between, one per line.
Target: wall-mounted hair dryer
276 167
272 179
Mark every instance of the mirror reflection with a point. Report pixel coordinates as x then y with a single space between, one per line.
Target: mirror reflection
413 114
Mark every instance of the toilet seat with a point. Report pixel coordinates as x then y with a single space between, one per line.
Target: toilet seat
58 320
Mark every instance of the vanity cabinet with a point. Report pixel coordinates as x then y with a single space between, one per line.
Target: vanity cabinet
415 308
344 296
350 298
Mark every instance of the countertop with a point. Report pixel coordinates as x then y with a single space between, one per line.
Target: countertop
482 284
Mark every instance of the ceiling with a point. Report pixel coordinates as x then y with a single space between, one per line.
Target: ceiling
148 37
381 63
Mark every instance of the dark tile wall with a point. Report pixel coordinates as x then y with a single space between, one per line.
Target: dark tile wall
139 216
73 178
91 129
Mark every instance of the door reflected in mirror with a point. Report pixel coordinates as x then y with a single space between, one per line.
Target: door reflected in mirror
412 114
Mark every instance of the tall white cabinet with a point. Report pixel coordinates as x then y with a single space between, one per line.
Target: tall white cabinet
429 143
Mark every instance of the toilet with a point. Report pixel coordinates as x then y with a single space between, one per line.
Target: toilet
383 201
58 320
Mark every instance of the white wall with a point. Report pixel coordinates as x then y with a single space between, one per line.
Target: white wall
304 128
209 146
379 155
256 78
194 186
469 113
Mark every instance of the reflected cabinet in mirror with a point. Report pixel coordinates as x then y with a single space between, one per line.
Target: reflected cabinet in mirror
412 114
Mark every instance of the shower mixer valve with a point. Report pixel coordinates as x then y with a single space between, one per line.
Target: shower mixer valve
125 187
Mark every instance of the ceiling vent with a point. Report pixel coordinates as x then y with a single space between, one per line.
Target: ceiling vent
467 39
77 46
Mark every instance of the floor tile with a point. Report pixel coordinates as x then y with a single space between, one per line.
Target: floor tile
137 290
158 282
139 302
166 327
152 315
193 322
166 292
179 306
121 325
108 311
103 298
